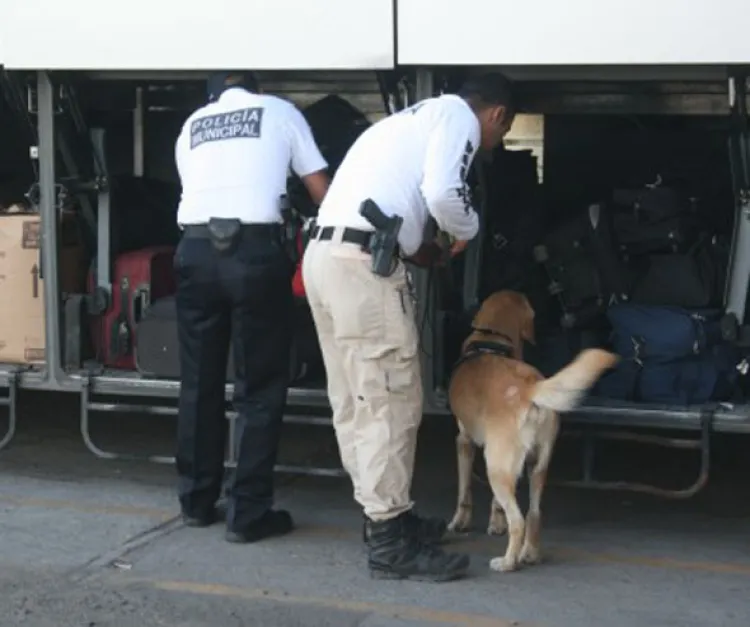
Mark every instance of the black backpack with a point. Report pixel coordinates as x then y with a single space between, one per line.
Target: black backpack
335 124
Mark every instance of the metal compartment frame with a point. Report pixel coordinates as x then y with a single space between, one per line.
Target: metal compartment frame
699 421
14 377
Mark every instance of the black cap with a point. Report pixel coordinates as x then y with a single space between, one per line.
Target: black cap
218 82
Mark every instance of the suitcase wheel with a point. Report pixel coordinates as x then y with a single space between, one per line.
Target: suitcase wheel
97 302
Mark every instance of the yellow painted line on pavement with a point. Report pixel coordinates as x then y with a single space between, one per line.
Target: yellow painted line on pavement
408 612
721 568
483 546
89 508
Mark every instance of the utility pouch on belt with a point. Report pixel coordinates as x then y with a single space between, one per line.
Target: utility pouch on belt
384 243
224 234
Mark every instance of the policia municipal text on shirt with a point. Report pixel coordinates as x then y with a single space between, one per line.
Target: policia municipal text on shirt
234 289
411 165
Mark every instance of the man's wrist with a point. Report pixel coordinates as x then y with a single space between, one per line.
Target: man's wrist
428 253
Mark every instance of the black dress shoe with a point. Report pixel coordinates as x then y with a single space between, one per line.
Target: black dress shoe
214 515
272 523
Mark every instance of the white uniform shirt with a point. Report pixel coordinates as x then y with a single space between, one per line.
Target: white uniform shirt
412 164
233 157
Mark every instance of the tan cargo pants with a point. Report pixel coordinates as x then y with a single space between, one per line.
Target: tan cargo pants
369 340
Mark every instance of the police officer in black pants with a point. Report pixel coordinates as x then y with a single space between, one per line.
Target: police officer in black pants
234 292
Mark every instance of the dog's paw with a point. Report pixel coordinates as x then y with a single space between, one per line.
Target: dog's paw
530 554
497 525
461 520
503 564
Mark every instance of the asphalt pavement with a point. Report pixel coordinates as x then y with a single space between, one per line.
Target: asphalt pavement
86 542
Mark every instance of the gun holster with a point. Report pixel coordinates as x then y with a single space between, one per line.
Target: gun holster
383 246
224 234
383 253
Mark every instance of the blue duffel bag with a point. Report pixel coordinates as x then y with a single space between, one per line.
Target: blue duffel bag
669 355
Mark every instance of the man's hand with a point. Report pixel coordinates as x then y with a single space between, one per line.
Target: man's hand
458 246
450 245
438 251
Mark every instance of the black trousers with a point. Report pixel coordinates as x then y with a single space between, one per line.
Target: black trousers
241 299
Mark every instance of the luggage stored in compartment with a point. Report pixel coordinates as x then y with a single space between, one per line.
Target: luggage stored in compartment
653 219
584 270
301 237
157 345
298 285
660 235
514 222
670 355
700 270
138 278
335 124
143 212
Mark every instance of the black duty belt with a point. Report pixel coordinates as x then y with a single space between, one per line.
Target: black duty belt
349 235
200 231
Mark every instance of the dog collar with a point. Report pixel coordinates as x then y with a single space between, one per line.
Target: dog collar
486 331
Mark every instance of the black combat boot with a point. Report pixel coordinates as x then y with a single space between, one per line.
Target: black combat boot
395 553
426 530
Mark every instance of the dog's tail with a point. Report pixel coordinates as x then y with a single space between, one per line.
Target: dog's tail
566 390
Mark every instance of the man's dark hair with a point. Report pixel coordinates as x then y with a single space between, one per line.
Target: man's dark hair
248 80
487 90
220 81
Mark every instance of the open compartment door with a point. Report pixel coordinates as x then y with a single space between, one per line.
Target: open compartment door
738 280
147 35
576 32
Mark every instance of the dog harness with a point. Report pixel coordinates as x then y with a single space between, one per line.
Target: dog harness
477 348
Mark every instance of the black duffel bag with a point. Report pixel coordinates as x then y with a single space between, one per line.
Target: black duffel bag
653 219
585 272
693 279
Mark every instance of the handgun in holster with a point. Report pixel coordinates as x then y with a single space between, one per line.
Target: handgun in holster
384 243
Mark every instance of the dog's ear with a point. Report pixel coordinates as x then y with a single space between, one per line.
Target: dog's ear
527 326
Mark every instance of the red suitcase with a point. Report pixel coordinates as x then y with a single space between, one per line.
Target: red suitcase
138 278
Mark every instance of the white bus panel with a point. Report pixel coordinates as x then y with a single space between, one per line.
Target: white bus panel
573 32
167 35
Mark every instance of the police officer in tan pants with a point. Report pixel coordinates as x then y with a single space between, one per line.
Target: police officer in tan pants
412 164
